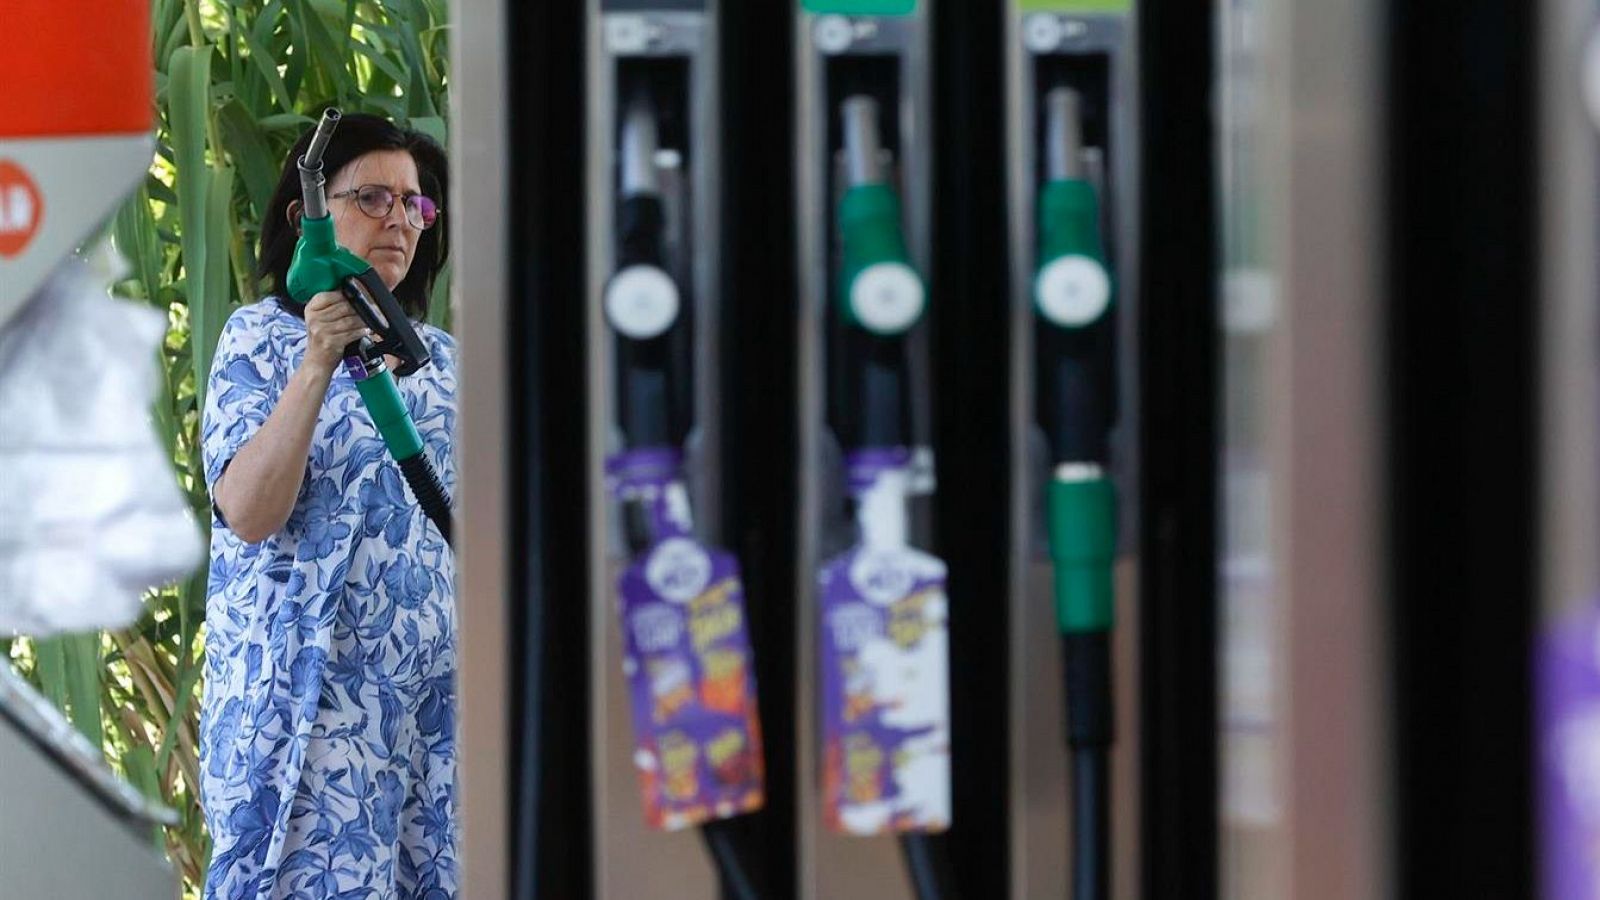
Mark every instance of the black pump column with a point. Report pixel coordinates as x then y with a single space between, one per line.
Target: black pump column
675 741
874 791
1071 167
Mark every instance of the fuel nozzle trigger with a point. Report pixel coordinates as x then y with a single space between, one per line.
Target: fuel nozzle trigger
381 310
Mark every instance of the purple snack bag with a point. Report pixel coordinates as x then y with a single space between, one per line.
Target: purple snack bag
885 667
1568 762
686 652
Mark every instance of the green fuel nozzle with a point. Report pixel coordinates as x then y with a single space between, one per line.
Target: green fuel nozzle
879 289
321 264
1071 288
1072 296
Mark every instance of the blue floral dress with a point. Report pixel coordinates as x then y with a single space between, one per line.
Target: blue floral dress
327 745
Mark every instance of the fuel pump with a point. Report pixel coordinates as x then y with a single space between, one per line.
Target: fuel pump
1068 116
75 139
65 162
874 635
675 726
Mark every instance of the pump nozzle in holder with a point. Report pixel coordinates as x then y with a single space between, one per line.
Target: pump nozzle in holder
880 291
1073 299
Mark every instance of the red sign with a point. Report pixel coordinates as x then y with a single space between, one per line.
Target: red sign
75 69
21 208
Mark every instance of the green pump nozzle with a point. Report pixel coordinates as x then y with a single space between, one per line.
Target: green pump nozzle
1072 296
879 290
1071 287
320 264
1073 292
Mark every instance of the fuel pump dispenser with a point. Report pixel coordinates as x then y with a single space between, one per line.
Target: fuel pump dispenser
873 624
676 741
75 139
1068 122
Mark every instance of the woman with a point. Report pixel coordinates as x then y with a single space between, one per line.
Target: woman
327 746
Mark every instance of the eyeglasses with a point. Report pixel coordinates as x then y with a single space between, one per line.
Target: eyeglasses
377 200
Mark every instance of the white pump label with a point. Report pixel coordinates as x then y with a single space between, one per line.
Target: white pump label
1073 291
641 302
887 298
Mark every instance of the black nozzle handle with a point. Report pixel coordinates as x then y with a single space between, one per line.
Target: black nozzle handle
311 178
388 321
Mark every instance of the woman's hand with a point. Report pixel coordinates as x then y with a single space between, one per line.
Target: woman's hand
331 324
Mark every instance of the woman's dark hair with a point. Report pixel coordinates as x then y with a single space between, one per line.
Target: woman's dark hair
359 134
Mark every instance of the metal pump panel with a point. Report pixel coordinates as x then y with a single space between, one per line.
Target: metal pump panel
864 204
652 323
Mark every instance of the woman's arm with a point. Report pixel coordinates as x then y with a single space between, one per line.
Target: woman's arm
256 493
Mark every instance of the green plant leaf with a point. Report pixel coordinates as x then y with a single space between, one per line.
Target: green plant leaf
190 99
169 24
188 679
267 67
384 64
50 668
286 121
433 127
417 93
141 771
439 301
81 654
324 51
215 301
253 158
135 237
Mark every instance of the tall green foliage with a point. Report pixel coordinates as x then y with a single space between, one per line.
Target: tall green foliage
236 82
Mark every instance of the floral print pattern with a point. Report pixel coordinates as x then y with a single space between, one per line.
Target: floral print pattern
327 740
